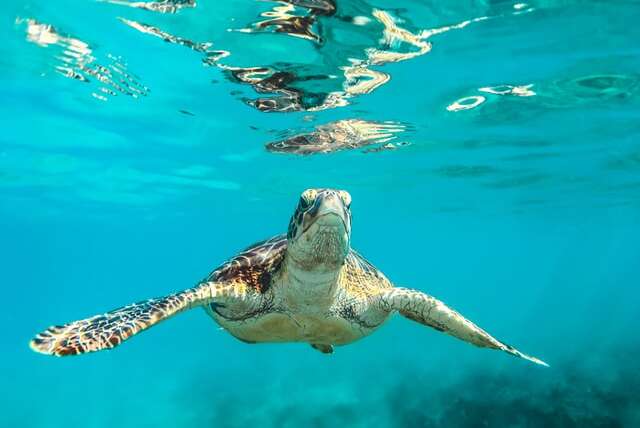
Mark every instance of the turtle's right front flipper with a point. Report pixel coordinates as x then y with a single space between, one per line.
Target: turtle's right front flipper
108 330
428 310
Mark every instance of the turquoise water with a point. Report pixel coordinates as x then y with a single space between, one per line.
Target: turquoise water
490 147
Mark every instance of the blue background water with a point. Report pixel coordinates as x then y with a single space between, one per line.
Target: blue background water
521 212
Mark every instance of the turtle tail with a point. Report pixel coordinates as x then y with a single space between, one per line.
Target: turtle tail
108 330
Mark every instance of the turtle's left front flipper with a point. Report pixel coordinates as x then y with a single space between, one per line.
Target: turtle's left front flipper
108 330
430 311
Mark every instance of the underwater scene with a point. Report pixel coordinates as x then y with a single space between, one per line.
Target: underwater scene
481 155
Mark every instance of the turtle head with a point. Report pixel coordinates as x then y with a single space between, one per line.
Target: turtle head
320 230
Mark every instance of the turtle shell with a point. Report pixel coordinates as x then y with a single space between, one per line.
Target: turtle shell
254 266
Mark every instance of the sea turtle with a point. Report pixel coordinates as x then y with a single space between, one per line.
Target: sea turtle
305 286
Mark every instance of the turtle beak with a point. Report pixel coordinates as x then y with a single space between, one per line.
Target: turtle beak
324 240
330 212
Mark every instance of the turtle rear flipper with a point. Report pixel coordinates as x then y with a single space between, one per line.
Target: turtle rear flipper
108 330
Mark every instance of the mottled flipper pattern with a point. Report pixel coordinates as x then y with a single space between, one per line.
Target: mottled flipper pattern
430 311
112 328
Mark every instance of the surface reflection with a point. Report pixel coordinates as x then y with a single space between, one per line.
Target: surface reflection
353 44
74 59
162 6
296 18
342 135
559 94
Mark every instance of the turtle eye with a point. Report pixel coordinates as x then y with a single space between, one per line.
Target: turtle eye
307 198
346 198
304 203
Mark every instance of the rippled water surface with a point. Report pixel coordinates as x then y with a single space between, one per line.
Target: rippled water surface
491 148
